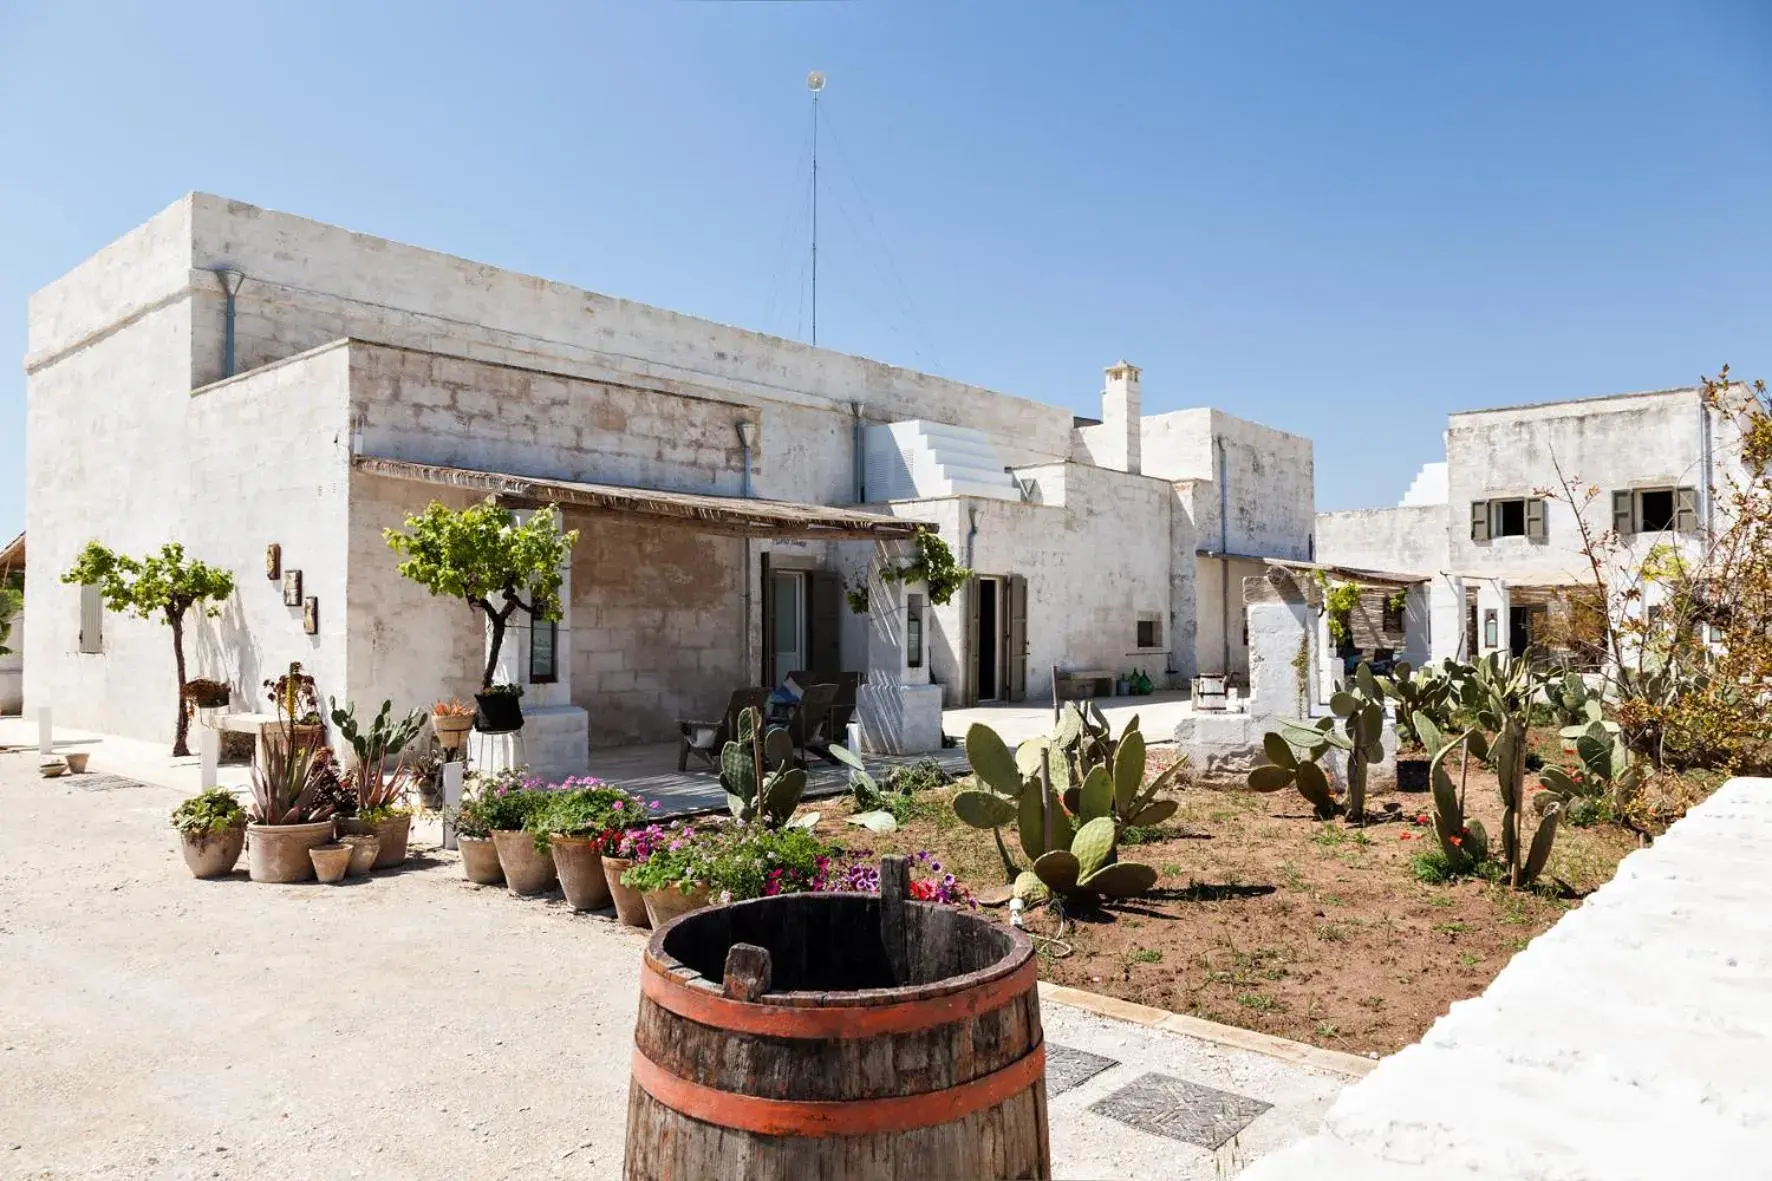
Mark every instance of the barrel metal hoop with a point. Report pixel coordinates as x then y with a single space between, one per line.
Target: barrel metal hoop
814 1119
835 1021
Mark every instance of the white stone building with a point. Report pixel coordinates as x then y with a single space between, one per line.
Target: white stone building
234 378
1489 526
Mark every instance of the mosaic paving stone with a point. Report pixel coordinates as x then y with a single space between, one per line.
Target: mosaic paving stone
1180 1110
1067 1068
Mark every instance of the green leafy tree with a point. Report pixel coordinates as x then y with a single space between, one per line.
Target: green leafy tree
161 586
12 601
483 555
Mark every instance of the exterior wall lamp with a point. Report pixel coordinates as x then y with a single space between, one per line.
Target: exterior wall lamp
747 441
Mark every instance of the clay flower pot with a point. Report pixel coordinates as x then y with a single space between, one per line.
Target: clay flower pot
479 861
630 907
77 761
579 863
392 832
363 847
330 861
664 905
279 852
52 768
213 854
451 730
526 870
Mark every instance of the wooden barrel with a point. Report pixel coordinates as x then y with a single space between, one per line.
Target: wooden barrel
837 1036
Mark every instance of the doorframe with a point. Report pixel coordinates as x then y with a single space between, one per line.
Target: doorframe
975 638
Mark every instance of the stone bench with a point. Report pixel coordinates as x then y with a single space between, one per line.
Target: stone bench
1077 684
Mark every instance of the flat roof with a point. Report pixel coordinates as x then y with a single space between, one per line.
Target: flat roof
738 515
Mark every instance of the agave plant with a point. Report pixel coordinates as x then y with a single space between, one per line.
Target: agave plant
290 782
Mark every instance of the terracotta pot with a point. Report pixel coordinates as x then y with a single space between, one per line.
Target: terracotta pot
52 768
526 871
630 907
279 852
579 863
392 832
451 731
363 847
77 761
479 861
664 905
331 862
213 855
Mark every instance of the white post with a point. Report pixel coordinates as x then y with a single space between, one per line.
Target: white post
209 751
45 732
452 773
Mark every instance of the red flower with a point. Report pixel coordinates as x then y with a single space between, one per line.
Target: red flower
1405 836
1456 840
1422 819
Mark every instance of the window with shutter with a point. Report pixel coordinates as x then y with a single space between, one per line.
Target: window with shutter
1686 510
92 620
1655 509
1535 518
1623 522
1479 520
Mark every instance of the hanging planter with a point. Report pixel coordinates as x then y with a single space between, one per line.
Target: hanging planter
500 710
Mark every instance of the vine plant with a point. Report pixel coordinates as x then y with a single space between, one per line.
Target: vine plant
934 565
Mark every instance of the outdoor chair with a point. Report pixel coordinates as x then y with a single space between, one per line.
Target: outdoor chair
810 726
707 739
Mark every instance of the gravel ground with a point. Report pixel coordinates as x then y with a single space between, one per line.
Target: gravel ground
405 1025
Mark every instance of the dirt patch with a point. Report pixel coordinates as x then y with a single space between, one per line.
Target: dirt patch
1267 918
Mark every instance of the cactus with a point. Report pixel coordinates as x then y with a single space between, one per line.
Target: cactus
385 737
1355 727
1465 843
753 791
1606 772
1500 695
1575 704
1422 700
1107 793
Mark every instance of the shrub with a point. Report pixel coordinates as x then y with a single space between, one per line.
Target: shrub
209 813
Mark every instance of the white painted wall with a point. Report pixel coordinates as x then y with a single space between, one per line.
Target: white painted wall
1402 540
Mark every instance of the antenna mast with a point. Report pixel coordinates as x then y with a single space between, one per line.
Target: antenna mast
815 83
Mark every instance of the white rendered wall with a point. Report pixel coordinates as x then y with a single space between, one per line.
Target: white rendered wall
1388 540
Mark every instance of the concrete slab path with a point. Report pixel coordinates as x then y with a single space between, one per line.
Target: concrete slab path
414 1025
1630 1042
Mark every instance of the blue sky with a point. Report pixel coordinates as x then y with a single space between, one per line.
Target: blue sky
1342 220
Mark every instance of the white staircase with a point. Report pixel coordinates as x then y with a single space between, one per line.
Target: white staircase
919 459
1431 486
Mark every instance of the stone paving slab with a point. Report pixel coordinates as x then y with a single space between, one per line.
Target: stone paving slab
1631 1042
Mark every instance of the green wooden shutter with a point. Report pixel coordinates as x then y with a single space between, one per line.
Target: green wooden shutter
1479 520
1686 510
1623 518
1015 641
766 674
969 661
825 626
92 620
1535 518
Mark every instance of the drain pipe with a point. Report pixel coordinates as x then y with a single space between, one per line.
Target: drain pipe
747 438
858 465
1224 558
230 280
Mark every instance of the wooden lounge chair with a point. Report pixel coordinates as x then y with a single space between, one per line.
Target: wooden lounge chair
706 739
810 726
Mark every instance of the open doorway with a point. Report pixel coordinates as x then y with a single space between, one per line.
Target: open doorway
787 625
987 658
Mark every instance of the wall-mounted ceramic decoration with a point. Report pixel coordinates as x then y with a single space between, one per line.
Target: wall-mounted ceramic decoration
292 588
310 616
273 561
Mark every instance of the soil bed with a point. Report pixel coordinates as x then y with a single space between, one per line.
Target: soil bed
1267 918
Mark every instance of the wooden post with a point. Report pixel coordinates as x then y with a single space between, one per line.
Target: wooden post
895 893
748 972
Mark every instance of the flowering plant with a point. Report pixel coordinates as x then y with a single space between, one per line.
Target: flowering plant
508 798
736 861
862 876
641 842
586 808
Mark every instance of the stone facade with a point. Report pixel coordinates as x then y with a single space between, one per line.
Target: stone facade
346 346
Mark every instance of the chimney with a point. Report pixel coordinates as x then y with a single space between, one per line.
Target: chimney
1121 421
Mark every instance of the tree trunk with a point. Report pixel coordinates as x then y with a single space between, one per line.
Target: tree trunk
179 748
498 640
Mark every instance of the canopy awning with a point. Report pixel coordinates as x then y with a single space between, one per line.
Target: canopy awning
1354 574
738 515
12 557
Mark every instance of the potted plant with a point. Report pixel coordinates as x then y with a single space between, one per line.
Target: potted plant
674 880
728 863
203 693
452 719
212 829
500 709
296 701
363 846
634 845
380 792
481 553
293 804
581 821
506 809
473 835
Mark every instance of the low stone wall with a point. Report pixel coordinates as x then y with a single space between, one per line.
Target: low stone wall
1627 1042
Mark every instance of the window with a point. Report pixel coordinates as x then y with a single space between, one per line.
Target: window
1523 517
1150 633
1393 611
1655 510
92 620
913 632
544 636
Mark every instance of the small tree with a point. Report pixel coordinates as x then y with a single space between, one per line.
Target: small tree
162 586
482 553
